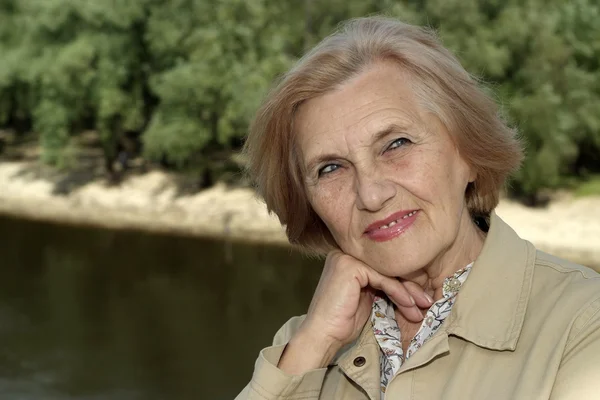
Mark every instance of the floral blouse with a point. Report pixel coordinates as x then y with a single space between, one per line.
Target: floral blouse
387 332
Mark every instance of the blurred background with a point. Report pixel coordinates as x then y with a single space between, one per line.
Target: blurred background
131 114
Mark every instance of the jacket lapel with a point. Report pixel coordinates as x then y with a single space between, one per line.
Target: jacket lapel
490 308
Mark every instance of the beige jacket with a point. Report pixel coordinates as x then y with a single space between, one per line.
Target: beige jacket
526 325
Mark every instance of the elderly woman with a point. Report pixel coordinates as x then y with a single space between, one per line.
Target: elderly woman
381 151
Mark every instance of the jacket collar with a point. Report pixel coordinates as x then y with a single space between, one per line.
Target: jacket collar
490 308
491 305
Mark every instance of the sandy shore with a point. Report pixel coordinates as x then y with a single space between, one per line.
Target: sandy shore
568 228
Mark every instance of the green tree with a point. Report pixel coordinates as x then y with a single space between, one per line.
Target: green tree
213 62
14 105
81 64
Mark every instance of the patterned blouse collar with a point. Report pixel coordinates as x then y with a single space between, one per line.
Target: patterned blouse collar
388 334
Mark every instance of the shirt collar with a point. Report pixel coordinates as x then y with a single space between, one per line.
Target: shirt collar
491 307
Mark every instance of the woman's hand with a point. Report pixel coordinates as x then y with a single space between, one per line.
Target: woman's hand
339 309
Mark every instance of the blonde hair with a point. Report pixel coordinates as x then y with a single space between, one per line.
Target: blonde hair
442 86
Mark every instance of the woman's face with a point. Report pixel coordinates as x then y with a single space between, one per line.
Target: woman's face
382 174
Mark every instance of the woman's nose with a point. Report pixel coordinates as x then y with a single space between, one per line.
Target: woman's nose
372 194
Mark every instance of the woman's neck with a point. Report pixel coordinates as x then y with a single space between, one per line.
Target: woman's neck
464 250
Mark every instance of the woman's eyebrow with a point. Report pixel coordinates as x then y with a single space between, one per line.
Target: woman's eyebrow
312 164
391 128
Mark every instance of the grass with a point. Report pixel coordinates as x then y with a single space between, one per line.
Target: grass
588 187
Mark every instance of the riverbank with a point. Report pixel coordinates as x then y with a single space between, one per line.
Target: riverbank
568 227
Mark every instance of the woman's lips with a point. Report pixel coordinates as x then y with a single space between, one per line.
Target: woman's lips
391 227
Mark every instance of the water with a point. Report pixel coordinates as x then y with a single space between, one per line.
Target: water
96 314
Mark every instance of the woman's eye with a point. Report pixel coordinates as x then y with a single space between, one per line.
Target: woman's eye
398 143
328 169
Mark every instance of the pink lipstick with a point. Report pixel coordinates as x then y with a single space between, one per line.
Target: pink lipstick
392 226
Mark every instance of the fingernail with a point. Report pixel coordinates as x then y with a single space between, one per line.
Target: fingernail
412 300
428 297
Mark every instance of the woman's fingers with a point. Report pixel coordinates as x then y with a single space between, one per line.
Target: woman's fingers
422 299
408 297
412 314
391 287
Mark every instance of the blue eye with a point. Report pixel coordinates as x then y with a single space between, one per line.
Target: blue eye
398 143
328 169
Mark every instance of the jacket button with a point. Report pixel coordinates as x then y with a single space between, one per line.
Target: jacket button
359 361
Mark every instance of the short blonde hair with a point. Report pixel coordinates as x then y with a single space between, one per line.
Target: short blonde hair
442 86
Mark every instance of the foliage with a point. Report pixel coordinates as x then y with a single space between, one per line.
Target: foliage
543 60
185 76
212 63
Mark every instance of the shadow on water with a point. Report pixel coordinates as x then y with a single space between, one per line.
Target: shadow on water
96 314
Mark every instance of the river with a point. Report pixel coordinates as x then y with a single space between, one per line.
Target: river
87 313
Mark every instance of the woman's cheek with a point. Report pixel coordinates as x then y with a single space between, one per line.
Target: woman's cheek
329 199
416 176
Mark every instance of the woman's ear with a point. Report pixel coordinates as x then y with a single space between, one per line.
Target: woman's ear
472 175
